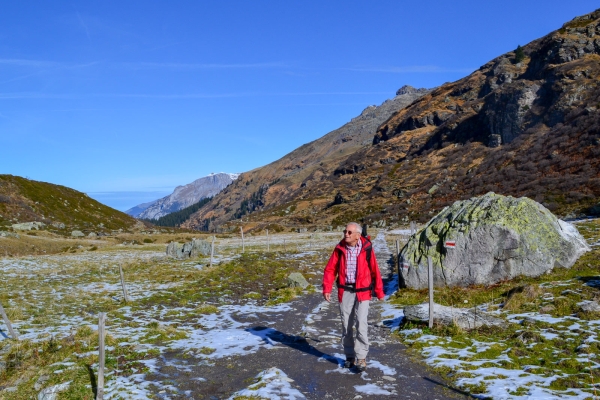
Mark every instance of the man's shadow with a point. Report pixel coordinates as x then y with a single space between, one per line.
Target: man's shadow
272 336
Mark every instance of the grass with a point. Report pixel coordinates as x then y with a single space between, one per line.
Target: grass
167 297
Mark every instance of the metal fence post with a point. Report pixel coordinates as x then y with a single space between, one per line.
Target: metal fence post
430 278
8 324
101 357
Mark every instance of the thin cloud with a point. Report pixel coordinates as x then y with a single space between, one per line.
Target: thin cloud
410 69
85 28
203 65
27 63
173 96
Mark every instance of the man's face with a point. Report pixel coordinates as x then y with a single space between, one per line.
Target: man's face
351 235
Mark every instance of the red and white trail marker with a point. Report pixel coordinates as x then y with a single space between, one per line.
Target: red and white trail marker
405 266
450 244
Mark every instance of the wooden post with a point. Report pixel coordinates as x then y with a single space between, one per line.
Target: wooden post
8 324
430 278
284 245
212 250
310 242
242 232
100 386
123 284
413 228
268 248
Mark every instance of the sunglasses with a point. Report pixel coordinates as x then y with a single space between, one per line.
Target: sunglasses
349 232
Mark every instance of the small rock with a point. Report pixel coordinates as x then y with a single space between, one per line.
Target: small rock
295 279
77 234
51 393
40 382
389 378
590 306
58 225
92 234
547 309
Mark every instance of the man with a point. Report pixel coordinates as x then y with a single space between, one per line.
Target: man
354 265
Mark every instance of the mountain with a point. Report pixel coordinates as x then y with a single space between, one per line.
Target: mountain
137 210
62 209
286 176
527 123
183 196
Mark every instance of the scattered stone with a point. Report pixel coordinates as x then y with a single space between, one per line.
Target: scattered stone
547 309
58 225
465 318
92 234
496 238
10 234
27 226
193 249
40 382
77 234
51 393
296 279
590 306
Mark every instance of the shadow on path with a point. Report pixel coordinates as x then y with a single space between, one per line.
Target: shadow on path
452 389
270 335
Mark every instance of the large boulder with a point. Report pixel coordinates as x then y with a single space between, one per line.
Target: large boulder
199 248
496 238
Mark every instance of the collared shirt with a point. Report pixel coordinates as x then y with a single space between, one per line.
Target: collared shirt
351 259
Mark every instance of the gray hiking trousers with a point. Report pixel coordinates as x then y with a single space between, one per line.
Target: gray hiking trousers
354 315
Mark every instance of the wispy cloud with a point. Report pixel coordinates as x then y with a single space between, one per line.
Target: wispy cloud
170 65
84 26
410 69
173 96
28 63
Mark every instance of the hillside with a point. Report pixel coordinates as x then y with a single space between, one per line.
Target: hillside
24 200
183 196
523 124
279 182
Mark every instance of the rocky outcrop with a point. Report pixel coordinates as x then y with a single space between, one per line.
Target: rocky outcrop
184 196
465 318
194 249
495 238
27 226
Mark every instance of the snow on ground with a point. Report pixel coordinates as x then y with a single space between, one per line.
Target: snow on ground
272 384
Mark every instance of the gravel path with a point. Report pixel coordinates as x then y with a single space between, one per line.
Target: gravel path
303 358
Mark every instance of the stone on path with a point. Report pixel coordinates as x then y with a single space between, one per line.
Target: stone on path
51 393
77 234
496 238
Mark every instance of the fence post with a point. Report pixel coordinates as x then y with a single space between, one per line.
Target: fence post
430 278
100 386
212 250
8 324
123 284
268 247
243 246
284 250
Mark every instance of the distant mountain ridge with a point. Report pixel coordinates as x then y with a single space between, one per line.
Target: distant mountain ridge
183 196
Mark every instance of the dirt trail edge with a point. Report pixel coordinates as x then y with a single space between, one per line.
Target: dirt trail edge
301 356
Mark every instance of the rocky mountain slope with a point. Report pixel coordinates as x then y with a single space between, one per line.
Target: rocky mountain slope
59 208
183 196
526 123
283 178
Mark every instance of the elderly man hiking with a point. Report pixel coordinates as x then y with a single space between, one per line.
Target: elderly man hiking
354 265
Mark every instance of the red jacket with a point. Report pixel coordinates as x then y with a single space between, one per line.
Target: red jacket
365 274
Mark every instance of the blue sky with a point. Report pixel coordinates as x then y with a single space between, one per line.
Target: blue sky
126 100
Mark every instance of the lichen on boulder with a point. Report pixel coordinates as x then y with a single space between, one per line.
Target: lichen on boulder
496 238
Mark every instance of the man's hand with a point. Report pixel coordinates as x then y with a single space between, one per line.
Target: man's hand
327 296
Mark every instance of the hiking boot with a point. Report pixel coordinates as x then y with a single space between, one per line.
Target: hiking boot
361 365
349 363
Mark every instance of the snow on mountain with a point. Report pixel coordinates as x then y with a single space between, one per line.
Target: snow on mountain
184 196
